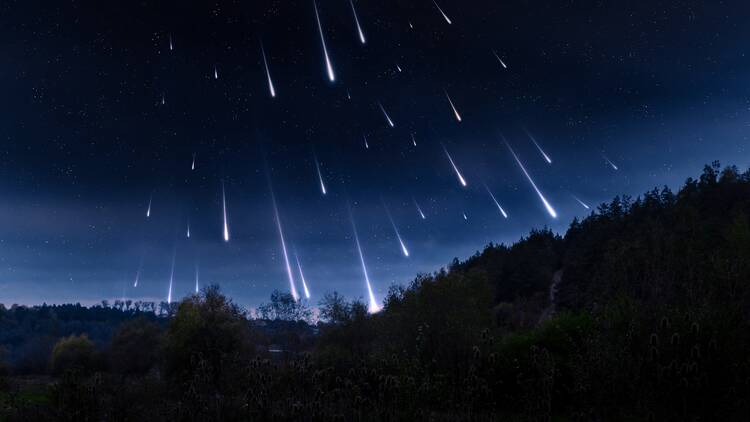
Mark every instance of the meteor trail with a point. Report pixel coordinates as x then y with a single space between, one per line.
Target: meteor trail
288 267
138 272
502 63
188 229
171 278
163 98
413 140
171 46
610 162
224 208
374 307
196 278
329 67
447 19
546 157
302 277
465 217
385 113
216 73
583 204
458 173
455 112
395 230
356 20
148 210
419 209
320 175
502 211
398 68
367 146
192 166
549 208
271 89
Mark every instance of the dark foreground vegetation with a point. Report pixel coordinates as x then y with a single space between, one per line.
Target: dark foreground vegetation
640 312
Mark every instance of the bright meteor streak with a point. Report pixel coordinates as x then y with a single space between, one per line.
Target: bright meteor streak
385 113
583 204
196 278
541 151
447 19
549 208
413 140
497 204
320 175
171 46
192 166
395 230
271 89
171 278
458 173
610 162
455 112
302 277
216 72
502 63
329 66
138 272
148 210
356 20
288 267
224 208
367 146
374 307
419 209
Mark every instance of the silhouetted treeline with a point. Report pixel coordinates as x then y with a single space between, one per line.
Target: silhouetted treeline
640 311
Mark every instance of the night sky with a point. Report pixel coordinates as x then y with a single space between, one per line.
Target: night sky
99 117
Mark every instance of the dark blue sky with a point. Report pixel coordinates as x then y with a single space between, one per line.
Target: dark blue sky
659 87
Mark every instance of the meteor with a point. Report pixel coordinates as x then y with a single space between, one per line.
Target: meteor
292 287
583 204
329 66
302 277
188 229
148 210
455 112
549 208
465 217
385 113
271 89
458 173
216 72
367 146
374 307
320 175
224 208
348 95
546 157
171 46
192 166
163 98
171 278
502 211
398 68
356 20
502 63
138 272
610 162
419 209
395 230
413 140
447 19
196 278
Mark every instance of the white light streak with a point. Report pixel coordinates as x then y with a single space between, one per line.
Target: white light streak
171 278
197 274
610 162
271 88
302 278
413 140
216 72
549 208
367 146
387 117
497 204
455 112
455 168
536 144
447 19
148 210
188 229
395 230
502 63
419 209
138 272
320 175
356 20
192 166
329 66
292 287
583 204
171 46
374 307
224 209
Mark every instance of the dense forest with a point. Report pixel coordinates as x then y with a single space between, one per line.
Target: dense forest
640 311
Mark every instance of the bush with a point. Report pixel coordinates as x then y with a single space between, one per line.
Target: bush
74 352
135 347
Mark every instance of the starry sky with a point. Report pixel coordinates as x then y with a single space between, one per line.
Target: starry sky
104 105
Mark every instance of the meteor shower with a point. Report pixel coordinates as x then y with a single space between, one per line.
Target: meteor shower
359 210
